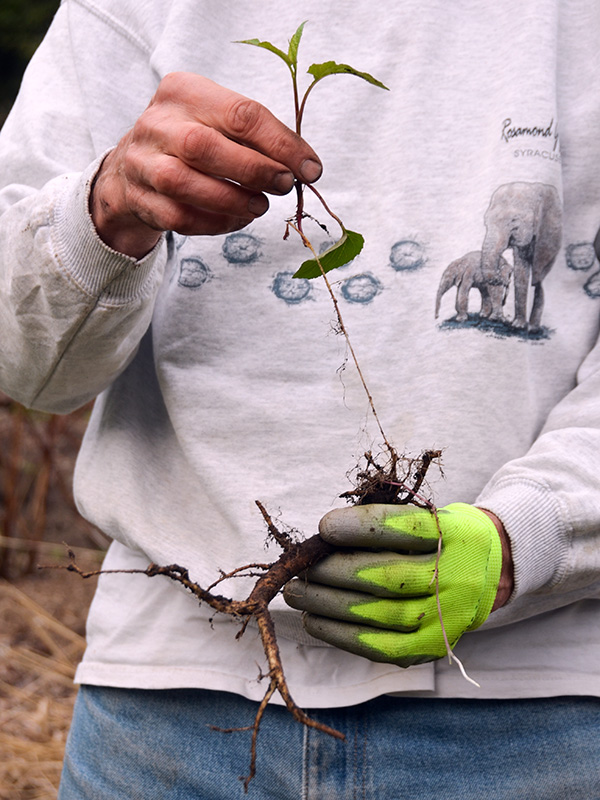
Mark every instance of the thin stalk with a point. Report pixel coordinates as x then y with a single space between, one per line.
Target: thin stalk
297 110
344 330
326 207
298 185
304 99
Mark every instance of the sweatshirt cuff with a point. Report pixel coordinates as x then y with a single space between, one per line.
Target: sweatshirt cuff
91 263
534 522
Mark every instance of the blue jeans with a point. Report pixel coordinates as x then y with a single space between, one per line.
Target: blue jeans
136 745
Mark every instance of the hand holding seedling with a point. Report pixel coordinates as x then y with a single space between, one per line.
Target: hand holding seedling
386 601
199 160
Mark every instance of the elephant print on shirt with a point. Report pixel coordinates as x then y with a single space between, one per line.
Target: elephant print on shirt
526 218
466 273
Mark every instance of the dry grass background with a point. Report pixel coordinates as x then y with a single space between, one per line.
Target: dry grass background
38 654
42 612
41 641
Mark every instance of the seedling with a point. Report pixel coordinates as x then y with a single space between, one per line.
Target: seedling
350 242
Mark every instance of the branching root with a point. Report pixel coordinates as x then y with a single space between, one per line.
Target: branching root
296 557
386 478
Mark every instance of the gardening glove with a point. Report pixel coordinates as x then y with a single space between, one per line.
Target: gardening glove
381 601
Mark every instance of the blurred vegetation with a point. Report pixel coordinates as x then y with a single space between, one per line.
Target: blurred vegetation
23 24
37 458
37 451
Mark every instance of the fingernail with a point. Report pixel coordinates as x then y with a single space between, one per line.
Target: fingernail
310 170
284 182
258 205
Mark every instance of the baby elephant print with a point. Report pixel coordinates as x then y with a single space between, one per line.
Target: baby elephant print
466 273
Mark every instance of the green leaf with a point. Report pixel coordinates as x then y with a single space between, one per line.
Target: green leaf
320 71
294 43
342 252
269 46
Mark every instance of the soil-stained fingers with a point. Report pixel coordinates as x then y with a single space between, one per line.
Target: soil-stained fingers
161 188
226 134
198 161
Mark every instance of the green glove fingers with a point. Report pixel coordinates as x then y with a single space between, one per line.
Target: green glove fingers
382 605
385 574
355 607
390 647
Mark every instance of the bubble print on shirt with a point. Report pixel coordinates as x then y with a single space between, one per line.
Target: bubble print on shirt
241 249
407 255
193 273
289 289
362 288
581 257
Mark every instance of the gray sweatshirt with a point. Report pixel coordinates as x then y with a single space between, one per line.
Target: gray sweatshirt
220 379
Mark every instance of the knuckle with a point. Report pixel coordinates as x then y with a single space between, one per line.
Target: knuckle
170 85
288 147
140 127
199 145
137 202
223 198
178 218
254 173
133 162
245 116
147 127
153 211
133 198
169 179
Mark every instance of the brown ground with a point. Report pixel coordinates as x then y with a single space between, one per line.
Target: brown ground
42 614
42 621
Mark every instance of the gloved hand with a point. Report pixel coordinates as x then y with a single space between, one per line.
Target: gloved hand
380 601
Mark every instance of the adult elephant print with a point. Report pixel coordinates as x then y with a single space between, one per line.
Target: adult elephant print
524 217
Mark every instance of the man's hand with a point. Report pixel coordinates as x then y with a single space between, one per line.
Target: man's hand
197 161
380 601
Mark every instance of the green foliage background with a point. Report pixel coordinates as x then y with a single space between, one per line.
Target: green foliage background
23 24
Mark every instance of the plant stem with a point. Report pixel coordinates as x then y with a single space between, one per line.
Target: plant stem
297 110
326 207
344 330
304 99
298 185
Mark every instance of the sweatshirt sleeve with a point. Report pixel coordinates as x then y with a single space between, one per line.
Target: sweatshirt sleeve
72 310
549 503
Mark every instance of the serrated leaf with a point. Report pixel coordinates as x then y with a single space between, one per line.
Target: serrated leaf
294 43
319 71
342 252
267 46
